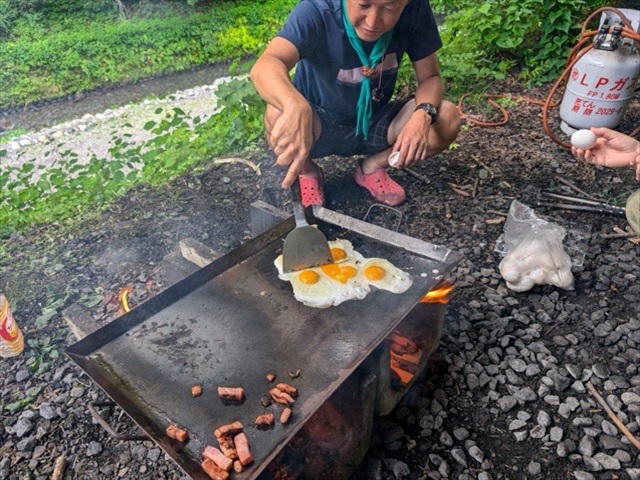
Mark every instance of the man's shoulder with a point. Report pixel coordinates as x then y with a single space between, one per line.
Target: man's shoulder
324 5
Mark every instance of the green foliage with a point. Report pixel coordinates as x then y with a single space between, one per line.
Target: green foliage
178 144
89 54
488 40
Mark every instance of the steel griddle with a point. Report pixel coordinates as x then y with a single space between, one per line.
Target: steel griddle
232 322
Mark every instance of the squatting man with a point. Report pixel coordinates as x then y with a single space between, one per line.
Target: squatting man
347 54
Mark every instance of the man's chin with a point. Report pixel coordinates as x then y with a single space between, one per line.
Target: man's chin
368 36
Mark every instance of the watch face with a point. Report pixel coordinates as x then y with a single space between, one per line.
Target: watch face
430 110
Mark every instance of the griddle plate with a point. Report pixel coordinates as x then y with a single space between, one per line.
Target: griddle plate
234 321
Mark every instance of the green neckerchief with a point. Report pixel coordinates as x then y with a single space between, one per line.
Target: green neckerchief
364 108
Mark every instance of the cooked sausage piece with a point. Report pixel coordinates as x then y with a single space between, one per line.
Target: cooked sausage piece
286 414
264 420
212 453
231 393
286 388
213 470
242 446
196 390
227 446
281 397
237 466
230 429
177 433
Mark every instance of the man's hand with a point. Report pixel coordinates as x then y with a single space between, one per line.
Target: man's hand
412 142
291 140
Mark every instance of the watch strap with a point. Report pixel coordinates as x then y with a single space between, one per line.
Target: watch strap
429 109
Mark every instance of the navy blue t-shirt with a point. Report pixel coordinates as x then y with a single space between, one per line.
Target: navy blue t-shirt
328 73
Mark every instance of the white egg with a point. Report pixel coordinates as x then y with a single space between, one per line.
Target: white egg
584 139
393 158
384 275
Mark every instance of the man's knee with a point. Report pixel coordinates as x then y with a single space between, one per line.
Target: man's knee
449 123
271 115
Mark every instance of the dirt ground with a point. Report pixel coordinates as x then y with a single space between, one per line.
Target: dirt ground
458 199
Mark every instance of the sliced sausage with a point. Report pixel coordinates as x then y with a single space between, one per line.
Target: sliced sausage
242 446
212 453
213 470
230 429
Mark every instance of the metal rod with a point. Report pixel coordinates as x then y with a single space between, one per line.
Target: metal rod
585 201
584 208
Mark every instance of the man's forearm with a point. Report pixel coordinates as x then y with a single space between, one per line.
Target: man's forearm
430 90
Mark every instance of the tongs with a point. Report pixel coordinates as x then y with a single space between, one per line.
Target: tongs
587 205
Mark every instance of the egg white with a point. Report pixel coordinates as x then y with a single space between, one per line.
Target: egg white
394 280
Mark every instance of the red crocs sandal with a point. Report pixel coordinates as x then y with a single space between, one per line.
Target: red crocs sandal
380 185
311 190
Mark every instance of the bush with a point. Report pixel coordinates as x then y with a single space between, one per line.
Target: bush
485 41
98 54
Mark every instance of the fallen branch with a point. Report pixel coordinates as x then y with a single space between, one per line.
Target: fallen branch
447 210
458 190
486 167
620 235
612 415
635 238
249 163
417 175
496 212
58 468
574 188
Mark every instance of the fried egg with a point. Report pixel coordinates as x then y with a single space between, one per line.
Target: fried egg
344 279
311 287
384 275
342 250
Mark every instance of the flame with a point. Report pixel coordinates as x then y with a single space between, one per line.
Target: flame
440 294
124 292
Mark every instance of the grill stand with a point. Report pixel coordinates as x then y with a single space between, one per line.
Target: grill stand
334 441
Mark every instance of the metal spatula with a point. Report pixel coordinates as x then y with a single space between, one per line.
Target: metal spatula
305 246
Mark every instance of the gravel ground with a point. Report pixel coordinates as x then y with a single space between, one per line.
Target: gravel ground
505 396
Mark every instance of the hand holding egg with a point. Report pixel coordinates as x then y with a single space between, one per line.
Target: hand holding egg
584 139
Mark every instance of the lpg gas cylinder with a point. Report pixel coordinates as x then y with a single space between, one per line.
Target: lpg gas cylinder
600 86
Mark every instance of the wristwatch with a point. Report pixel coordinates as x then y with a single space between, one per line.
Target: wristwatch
430 110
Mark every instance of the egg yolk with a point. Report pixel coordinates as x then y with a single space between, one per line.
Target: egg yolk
308 277
338 254
338 273
374 272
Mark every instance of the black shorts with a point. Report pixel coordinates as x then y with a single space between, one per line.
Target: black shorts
340 139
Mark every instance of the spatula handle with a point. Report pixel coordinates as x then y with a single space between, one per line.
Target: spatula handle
296 201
